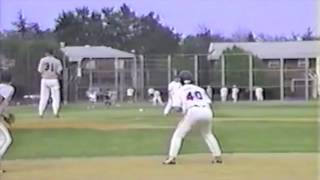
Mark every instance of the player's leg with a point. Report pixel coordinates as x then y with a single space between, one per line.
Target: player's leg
5 142
211 140
176 141
44 97
55 95
154 101
160 101
260 97
168 106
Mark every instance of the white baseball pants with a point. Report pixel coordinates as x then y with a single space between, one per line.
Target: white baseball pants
5 140
201 116
49 86
223 98
168 106
157 100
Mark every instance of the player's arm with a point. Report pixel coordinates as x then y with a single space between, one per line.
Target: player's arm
41 66
59 68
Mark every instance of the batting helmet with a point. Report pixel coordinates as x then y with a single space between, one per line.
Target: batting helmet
186 77
5 76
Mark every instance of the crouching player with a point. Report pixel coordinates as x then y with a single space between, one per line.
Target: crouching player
6 93
196 107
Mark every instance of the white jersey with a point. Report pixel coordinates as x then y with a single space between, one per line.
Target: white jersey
190 95
259 90
174 87
235 91
224 91
150 91
6 91
157 93
50 67
130 92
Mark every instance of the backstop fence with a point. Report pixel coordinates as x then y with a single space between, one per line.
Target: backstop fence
281 79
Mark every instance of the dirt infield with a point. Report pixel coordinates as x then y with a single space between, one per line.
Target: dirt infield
189 167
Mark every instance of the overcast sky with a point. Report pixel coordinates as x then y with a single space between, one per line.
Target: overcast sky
274 17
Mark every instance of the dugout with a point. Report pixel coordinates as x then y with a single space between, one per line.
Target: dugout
286 70
100 67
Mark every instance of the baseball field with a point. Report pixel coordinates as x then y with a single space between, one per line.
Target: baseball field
260 141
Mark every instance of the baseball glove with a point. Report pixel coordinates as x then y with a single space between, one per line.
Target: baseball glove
10 118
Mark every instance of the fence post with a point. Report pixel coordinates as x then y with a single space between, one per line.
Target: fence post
141 57
250 77
65 80
116 84
135 76
169 59
196 69
281 79
223 73
318 74
306 82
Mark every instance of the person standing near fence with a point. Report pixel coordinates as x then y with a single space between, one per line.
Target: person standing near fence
259 93
157 99
224 93
50 68
173 87
130 94
209 92
234 94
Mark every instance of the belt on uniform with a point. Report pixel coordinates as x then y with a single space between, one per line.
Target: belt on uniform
201 106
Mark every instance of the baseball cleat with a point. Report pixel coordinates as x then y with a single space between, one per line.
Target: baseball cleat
169 161
217 160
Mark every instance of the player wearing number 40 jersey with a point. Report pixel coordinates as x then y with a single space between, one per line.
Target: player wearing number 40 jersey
50 68
196 107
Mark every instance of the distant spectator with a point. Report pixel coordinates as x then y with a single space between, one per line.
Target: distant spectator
130 94
150 94
209 91
223 94
234 94
157 99
259 93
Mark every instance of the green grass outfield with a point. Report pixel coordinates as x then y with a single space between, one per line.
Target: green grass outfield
243 127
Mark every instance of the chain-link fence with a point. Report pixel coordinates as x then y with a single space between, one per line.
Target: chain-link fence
281 79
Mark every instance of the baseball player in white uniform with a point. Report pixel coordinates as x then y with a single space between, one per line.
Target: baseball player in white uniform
234 93
157 99
209 91
50 68
6 93
196 107
223 94
172 88
130 94
259 93
150 94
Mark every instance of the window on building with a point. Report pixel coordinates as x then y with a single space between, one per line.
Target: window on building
274 63
301 63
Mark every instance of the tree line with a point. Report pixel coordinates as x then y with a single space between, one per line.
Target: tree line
118 28
124 29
